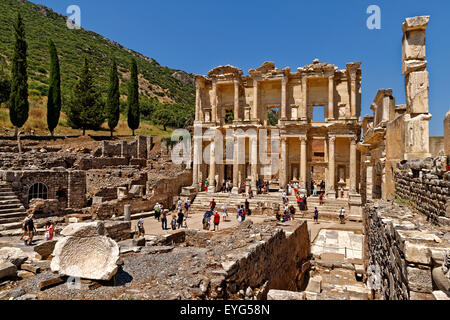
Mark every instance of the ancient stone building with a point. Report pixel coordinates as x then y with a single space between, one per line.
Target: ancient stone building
397 133
235 112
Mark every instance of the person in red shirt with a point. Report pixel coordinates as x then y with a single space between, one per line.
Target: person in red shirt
216 221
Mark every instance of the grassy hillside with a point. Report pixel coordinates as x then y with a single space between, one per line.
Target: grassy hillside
42 24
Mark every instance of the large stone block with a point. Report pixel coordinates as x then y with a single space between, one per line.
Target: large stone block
420 280
414 45
409 66
7 269
45 249
14 255
417 88
417 137
284 295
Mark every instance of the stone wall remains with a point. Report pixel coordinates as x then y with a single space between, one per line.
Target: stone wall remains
403 249
425 183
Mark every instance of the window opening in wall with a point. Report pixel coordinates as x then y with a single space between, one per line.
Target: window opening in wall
229 116
272 116
318 114
38 191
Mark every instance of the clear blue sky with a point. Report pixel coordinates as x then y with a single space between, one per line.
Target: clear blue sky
198 35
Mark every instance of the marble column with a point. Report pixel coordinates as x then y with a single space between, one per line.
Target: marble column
353 164
214 102
212 167
236 101
369 180
331 193
197 156
198 102
304 107
254 161
283 166
353 94
331 98
303 162
255 100
284 82
235 165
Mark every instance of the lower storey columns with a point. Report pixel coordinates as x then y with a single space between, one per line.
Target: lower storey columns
283 167
331 189
303 162
254 161
212 167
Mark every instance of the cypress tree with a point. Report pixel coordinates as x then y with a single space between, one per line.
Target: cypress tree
133 98
113 101
86 105
54 90
18 100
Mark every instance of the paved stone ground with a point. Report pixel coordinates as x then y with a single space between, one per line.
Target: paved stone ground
337 241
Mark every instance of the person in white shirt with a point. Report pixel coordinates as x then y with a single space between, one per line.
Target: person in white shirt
342 215
225 213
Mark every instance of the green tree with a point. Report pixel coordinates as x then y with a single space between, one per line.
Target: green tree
54 90
85 106
133 98
113 102
18 100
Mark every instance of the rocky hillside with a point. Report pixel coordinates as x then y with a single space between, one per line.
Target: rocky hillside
169 86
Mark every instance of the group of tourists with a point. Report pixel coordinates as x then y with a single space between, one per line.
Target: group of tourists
287 215
341 215
29 230
242 211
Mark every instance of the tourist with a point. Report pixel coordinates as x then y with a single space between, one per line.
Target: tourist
173 223
342 192
24 227
141 230
212 205
31 230
180 219
179 204
49 231
289 189
164 219
314 190
306 203
224 187
321 199
297 196
246 205
242 214
316 216
216 221
342 215
286 210
292 212
157 211
187 206
239 213
302 204
243 189
250 192
206 220
206 185
224 212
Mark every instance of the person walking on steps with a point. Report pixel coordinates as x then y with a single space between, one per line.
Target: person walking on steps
316 216
342 215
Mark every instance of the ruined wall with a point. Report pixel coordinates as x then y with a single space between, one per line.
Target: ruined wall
139 148
426 184
267 258
403 249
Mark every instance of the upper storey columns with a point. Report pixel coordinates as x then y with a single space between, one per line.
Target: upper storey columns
284 83
236 100
331 97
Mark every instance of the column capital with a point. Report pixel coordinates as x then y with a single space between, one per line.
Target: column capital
332 139
353 139
303 139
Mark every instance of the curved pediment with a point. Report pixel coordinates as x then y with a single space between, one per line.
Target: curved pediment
225 72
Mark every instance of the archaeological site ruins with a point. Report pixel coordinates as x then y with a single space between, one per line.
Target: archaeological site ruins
321 201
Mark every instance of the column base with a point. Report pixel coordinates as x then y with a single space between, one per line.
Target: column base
331 195
211 189
235 190
355 203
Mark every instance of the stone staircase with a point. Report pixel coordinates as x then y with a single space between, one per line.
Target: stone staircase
330 209
12 211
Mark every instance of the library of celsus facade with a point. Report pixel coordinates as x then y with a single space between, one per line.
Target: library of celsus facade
234 112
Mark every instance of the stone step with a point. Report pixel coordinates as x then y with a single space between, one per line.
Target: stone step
11 219
6 193
16 214
11 209
10 226
8 202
